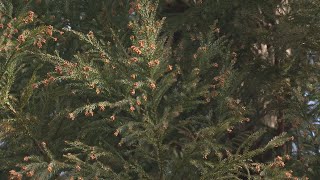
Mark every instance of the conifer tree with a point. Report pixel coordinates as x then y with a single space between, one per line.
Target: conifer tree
147 97
142 105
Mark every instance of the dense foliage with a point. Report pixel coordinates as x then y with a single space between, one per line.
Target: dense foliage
149 89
